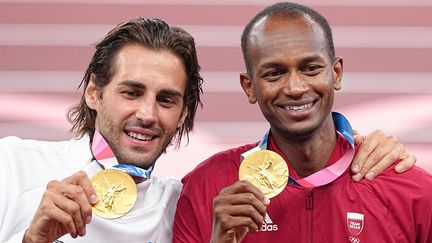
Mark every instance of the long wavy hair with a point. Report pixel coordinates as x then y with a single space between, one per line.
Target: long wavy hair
151 33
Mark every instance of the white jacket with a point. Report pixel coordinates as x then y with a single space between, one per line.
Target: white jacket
26 166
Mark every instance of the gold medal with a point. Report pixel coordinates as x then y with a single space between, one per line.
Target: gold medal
266 170
116 191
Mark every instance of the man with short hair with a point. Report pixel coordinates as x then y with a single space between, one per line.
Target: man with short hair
303 161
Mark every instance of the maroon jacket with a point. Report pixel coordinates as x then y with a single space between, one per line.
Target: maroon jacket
391 208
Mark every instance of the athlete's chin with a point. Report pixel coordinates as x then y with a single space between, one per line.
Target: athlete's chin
302 129
142 160
301 132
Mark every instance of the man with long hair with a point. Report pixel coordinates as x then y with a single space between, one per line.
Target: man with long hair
140 94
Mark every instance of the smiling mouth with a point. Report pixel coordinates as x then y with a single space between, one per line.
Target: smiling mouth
139 136
298 108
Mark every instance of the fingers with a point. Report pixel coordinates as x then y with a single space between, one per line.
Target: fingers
50 216
238 206
361 162
78 197
66 212
385 160
245 216
245 186
358 138
240 209
407 161
83 193
71 200
380 158
355 166
65 209
80 178
376 153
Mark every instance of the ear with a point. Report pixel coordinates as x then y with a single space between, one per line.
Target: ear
182 117
247 86
337 73
91 93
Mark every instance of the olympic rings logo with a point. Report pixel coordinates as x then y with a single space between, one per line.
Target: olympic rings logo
354 240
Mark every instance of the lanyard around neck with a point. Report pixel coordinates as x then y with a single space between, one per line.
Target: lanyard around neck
330 173
105 156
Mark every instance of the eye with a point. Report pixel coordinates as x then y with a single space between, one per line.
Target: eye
166 101
131 94
311 69
272 75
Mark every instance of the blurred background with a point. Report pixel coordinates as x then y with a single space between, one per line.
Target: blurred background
46 45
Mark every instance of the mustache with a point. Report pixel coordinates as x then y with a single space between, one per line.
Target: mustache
137 123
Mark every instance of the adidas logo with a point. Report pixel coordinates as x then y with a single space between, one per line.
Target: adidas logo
268 224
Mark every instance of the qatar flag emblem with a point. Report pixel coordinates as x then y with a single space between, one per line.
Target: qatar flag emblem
355 222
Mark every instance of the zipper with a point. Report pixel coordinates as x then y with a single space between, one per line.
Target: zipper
309 199
309 211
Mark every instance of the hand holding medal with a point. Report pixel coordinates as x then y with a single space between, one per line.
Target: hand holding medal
241 207
266 170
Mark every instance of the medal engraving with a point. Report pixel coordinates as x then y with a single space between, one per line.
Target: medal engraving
116 191
266 170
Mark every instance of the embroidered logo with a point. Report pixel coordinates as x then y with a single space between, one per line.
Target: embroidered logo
268 224
355 222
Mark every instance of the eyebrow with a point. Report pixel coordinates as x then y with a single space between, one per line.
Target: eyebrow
307 59
132 83
171 92
139 85
270 65
312 59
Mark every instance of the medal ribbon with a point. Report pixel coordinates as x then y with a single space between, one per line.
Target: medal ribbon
105 156
329 173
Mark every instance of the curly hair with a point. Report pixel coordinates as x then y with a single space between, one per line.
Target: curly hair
154 34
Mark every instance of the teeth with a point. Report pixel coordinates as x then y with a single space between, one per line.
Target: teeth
139 136
299 108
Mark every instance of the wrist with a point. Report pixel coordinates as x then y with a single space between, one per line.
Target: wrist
26 237
30 238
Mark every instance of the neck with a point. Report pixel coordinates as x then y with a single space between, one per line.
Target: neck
309 154
137 179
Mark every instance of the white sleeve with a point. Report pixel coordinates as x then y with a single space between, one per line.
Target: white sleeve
17 238
16 207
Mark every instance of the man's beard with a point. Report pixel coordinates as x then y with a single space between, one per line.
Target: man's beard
123 158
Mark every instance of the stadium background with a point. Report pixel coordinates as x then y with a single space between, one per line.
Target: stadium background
45 46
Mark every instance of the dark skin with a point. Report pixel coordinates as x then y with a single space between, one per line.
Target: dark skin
293 80
290 73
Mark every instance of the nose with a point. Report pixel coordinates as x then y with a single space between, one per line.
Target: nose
294 85
147 110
